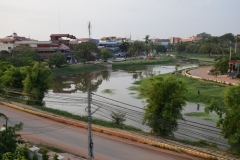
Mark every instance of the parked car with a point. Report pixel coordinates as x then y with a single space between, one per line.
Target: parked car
118 60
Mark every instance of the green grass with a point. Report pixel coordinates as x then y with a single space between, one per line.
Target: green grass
73 69
208 90
85 119
200 143
133 88
201 57
202 115
141 62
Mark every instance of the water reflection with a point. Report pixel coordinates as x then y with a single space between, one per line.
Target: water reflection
81 82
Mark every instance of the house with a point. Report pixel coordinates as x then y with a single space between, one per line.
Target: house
43 48
191 39
7 43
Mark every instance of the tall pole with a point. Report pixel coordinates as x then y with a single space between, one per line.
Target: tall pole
230 52
90 143
235 47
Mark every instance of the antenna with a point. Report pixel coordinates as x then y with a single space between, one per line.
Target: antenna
89 29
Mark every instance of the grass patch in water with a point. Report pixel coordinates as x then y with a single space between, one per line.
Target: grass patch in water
138 97
202 115
108 91
137 82
133 88
133 93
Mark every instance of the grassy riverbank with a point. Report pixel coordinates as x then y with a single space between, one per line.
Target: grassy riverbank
208 90
142 62
79 68
200 57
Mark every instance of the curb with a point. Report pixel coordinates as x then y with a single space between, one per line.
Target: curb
210 80
115 133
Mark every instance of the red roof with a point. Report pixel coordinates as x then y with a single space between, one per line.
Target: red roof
233 62
63 35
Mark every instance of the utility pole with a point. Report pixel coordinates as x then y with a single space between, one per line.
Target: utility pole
90 142
230 52
89 29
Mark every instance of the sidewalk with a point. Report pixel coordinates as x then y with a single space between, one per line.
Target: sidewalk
203 73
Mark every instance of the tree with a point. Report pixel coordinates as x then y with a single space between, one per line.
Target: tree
37 82
4 53
146 39
152 46
160 49
118 118
105 54
12 77
57 59
227 37
55 157
9 139
147 49
35 157
165 101
124 46
176 68
24 57
221 64
208 48
180 47
85 51
229 116
237 40
44 155
137 47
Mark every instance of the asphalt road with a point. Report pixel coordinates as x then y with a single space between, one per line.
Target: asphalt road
106 146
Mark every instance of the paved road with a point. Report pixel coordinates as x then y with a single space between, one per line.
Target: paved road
203 72
106 146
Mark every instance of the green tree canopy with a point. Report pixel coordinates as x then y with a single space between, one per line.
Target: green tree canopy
192 48
137 47
229 116
4 53
24 56
4 66
124 46
227 37
208 48
85 50
37 82
10 138
180 47
105 54
57 59
160 49
12 77
165 101
221 64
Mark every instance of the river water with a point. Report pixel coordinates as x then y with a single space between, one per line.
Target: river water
69 93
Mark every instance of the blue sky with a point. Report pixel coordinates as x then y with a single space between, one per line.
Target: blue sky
157 18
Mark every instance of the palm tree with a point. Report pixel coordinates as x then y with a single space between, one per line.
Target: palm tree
237 40
146 39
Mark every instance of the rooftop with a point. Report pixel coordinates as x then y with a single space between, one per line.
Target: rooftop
34 42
